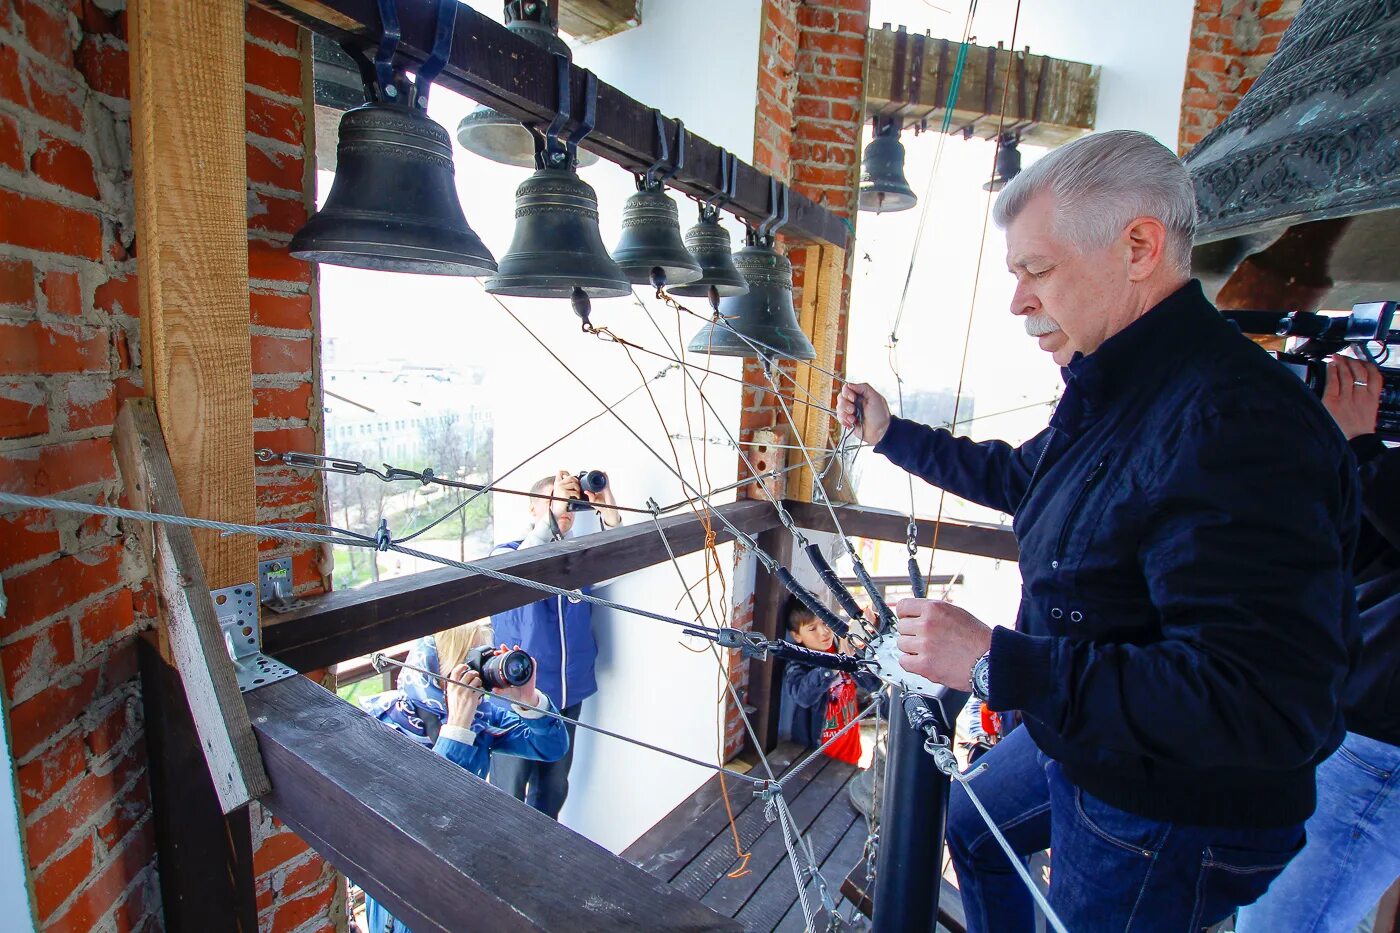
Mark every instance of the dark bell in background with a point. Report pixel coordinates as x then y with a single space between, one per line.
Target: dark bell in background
1008 164
883 186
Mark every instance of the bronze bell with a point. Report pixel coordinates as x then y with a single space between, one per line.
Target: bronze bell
883 186
393 205
490 133
1008 164
650 250
709 243
765 315
557 248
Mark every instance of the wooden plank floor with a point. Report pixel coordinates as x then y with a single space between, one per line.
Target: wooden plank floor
692 847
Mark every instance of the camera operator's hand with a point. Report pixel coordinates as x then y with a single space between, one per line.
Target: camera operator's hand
461 702
940 641
525 694
601 501
1353 395
565 487
874 411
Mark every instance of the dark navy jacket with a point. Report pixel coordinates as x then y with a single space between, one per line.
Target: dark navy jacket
558 634
1373 689
1186 527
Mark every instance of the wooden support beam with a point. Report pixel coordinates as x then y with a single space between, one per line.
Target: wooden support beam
190 623
1051 101
492 65
349 623
888 525
206 858
432 842
769 597
591 20
820 317
188 165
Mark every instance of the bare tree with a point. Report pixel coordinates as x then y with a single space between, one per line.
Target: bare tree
454 453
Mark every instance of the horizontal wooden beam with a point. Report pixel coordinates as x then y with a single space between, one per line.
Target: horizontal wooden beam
888 525
349 623
493 66
591 20
435 844
1051 101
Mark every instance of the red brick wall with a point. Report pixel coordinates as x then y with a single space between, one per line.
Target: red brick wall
1231 42
69 353
807 132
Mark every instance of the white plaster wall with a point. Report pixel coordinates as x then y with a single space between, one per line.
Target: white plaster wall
14 889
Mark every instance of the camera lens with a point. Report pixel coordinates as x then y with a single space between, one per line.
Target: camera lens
510 668
593 480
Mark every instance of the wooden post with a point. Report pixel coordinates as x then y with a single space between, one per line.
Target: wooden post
187 136
190 622
820 317
769 595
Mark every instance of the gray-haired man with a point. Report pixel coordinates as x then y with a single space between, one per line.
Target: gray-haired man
1185 528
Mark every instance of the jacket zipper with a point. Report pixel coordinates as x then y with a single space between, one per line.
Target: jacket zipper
1074 510
563 659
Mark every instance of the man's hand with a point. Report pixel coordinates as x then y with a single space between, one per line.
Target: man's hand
601 501
940 641
874 418
524 694
461 702
565 487
1353 395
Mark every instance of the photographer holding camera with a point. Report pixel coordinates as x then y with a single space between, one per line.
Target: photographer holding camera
458 723
557 633
1353 849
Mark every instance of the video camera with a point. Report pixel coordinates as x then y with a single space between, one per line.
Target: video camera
499 667
594 481
1325 334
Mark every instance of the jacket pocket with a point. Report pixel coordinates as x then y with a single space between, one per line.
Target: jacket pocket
1231 878
1090 481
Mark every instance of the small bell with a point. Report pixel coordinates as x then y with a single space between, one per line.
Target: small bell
1008 163
490 133
557 249
764 315
393 205
883 186
650 250
719 278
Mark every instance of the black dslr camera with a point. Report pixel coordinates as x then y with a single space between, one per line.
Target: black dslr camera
1324 335
499 667
594 481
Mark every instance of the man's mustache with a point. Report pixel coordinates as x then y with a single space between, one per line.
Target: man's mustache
1038 325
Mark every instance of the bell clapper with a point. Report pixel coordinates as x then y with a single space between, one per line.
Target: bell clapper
583 306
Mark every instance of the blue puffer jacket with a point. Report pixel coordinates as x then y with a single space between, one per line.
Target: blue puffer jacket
1186 528
558 634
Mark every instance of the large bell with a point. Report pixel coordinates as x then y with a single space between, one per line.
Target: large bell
393 205
719 278
557 248
883 186
1008 163
650 250
765 315
490 133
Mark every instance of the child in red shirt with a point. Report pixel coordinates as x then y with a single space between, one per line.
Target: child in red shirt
822 701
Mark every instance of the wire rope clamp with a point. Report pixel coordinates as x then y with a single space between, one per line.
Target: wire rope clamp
769 792
237 610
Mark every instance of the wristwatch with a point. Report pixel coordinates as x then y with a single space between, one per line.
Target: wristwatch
981 677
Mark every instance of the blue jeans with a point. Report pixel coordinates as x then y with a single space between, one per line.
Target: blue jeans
1353 850
542 784
1109 870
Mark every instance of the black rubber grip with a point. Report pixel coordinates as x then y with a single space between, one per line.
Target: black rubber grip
830 660
881 609
838 589
814 605
916 579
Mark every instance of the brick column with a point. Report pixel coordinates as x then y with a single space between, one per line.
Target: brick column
1231 42
807 132
69 354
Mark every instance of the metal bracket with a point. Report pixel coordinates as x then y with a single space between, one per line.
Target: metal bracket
885 651
237 609
275 585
